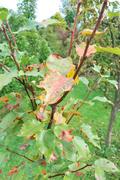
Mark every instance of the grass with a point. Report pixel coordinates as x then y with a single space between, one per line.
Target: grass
98 116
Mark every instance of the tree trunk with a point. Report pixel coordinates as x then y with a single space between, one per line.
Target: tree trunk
114 110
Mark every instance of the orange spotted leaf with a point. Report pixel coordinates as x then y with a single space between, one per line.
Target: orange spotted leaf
13 171
55 85
66 135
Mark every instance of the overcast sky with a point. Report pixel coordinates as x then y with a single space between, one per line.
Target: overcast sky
45 8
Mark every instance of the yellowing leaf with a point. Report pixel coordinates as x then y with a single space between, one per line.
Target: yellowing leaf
80 50
59 64
3 14
55 85
111 50
88 32
58 118
71 73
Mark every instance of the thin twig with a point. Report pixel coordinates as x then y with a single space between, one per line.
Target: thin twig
82 60
13 53
52 116
74 28
26 89
85 51
63 174
87 46
5 67
85 98
14 152
10 31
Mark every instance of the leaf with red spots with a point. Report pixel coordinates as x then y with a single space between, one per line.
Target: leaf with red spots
43 172
53 157
13 171
23 147
66 135
55 85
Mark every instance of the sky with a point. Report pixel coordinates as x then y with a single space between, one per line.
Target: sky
45 8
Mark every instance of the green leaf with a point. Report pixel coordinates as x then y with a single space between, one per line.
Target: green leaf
6 78
86 129
84 80
113 14
4 50
103 165
57 64
82 148
69 151
97 68
58 129
31 25
7 120
46 141
71 176
113 82
33 73
30 128
111 50
3 14
102 99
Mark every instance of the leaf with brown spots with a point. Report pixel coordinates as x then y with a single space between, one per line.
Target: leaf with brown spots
13 171
55 85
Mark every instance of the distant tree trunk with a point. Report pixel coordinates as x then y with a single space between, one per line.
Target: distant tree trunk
114 110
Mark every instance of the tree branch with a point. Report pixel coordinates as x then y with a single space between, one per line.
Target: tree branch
74 28
13 53
63 174
10 31
52 116
86 48
5 67
85 98
91 38
14 152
